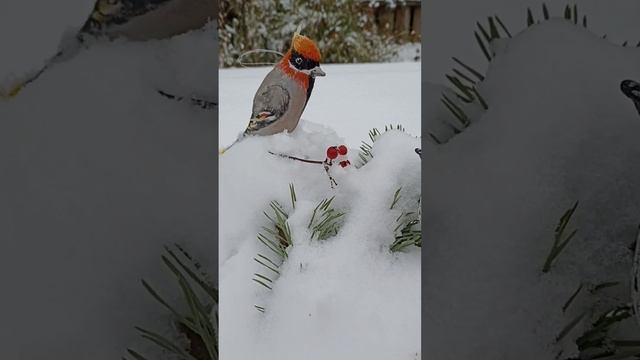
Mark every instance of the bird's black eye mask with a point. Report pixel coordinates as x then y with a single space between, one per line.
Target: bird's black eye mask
301 63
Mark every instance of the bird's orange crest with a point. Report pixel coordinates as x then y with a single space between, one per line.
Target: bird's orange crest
305 47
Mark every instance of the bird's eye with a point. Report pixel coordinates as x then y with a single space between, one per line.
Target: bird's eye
298 61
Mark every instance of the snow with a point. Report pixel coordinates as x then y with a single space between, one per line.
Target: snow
450 25
99 172
334 297
351 99
558 130
407 52
41 25
346 297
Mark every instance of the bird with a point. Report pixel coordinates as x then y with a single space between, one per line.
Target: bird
129 19
285 91
632 90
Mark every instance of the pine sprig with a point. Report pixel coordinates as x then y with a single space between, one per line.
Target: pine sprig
407 231
559 240
277 238
197 324
596 341
396 198
466 80
328 220
366 149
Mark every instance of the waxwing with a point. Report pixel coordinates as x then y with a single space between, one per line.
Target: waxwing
285 91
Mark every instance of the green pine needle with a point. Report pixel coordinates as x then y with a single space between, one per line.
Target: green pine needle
470 69
396 197
366 150
267 263
198 320
503 26
604 285
567 328
136 355
481 99
484 33
461 75
596 339
455 110
530 19
164 343
493 29
325 221
571 298
482 46
292 191
467 94
262 283
203 283
558 243
277 238
407 232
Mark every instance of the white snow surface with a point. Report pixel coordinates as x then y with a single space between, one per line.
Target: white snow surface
31 30
558 130
98 173
448 26
351 99
408 52
346 297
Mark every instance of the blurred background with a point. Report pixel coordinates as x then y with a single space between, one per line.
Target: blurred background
347 31
371 53
100 172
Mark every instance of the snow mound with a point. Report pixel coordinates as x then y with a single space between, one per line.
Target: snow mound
558 130
98 173
345 297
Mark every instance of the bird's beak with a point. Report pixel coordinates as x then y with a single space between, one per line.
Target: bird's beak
316 71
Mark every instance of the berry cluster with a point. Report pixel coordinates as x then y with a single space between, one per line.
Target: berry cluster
334 151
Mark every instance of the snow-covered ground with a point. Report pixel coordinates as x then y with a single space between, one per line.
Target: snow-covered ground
351 99
408 52
558 130
346 297
448 26
98 173
30 31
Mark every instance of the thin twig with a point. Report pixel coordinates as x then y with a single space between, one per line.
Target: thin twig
297 158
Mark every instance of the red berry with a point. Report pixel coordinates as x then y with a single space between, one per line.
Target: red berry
332 152
342 150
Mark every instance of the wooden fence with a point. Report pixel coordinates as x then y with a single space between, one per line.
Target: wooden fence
402 20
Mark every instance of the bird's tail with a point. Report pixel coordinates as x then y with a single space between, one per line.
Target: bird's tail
224 149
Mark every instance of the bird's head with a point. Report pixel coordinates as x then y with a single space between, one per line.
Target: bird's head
304 56
631 89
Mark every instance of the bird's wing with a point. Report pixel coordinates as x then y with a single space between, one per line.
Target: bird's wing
269 104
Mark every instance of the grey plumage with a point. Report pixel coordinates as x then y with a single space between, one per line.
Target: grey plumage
283 94
277 105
